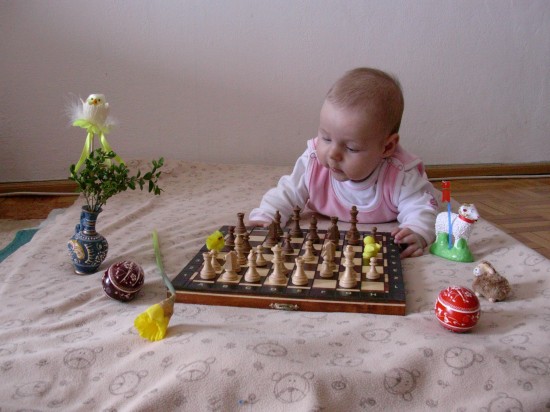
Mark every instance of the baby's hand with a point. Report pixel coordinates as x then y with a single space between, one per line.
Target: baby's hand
414 243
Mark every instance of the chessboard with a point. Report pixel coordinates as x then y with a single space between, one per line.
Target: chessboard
317 293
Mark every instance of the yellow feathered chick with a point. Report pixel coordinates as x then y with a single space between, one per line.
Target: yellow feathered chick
371 248
215 241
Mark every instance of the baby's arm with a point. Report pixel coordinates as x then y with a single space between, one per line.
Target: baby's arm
258 223
417 207
291 191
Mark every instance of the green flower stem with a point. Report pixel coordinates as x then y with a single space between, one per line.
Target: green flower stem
160 265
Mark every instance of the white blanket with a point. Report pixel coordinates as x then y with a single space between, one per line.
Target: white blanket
65 345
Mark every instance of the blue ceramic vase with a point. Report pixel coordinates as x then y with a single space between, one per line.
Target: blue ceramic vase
87 248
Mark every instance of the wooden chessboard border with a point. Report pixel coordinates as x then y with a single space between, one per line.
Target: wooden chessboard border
389 298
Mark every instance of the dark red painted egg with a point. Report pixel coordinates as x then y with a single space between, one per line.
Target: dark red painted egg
457 308
123 280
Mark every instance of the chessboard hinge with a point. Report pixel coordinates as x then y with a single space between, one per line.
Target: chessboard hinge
284 306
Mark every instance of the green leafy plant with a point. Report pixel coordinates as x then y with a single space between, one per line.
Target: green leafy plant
100 178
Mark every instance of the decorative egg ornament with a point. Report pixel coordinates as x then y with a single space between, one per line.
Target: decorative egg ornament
123 280
457 309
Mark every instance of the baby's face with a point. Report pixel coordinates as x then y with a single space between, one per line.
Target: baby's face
351 144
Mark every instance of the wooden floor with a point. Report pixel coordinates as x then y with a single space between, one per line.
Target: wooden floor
520 207
32 207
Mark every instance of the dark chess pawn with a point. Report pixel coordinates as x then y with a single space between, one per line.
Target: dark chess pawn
277 221
287 245
333 232
312 232
373 232
230 237
296 231
272 238
246 242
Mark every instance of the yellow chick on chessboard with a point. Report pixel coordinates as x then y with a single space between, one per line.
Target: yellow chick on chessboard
371 248
215 241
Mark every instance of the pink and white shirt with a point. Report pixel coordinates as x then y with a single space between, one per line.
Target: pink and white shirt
398 189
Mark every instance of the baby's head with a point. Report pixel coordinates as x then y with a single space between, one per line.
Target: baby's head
359 123
373 92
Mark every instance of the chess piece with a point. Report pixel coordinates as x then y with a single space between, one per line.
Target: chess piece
278 275
214 260
231 268
230 237
328 252
309 255
260 260
246 242
373 274
207 271
272 238
239 248
299 277
287 245
312 231
353 236
296 231
373 232
240 228
328 265
277 221
333 232
349 277
252 275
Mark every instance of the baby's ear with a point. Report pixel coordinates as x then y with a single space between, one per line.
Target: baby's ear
390 144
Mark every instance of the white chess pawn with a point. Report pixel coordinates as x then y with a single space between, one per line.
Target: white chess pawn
373 274
214 260
260 260
299 277
207 271
252 275
309 255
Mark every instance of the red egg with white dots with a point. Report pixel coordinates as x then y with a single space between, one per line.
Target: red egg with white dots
457 309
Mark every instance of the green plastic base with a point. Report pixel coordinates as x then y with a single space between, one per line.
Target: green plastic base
459 253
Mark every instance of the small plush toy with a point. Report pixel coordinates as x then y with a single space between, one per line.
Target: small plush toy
371 248
215 241
92 115
489 283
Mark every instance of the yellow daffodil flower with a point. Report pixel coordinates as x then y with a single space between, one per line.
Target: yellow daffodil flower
153 323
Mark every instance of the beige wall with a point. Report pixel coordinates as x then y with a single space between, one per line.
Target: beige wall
242 81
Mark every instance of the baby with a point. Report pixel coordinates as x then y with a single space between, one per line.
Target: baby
356 159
